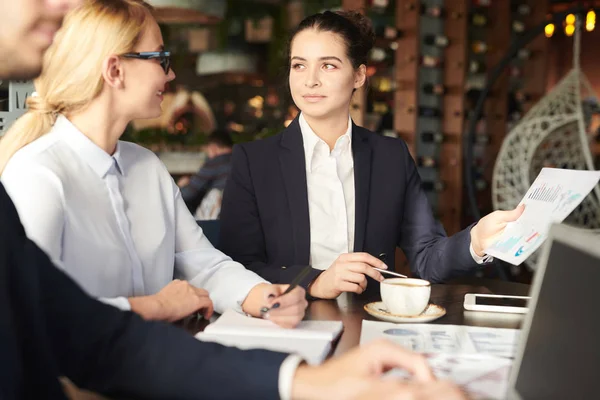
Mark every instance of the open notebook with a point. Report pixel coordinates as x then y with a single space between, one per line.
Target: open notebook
310 339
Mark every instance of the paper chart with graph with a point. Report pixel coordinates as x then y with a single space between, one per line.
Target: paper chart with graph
554 194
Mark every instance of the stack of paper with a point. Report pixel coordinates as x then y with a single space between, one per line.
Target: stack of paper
476 358
310 339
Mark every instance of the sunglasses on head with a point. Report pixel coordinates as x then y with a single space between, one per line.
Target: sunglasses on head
163 56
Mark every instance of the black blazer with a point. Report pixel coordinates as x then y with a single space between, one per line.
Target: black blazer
49 328
265 221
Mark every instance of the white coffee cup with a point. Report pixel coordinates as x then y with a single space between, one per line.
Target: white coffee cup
405 296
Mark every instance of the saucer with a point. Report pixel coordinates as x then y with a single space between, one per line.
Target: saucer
378 310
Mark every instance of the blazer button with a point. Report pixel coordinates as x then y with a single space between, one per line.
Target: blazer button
283 267
382 257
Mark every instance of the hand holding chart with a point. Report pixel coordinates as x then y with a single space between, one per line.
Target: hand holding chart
554 194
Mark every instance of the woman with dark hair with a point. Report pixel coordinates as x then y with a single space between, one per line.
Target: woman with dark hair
330 194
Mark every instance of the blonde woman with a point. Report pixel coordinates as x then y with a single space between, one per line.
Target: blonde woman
106 211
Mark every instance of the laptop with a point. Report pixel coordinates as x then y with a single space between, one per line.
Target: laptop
558 356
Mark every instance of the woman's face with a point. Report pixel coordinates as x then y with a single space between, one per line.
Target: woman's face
145 80
322 77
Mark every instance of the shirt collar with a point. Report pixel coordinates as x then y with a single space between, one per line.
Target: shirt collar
311 140
99 160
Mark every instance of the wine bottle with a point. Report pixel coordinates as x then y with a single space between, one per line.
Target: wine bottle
475 82
427 162
478 19
380 107
431 62
436 40
522 9
388 32
432 11
479 47
481 184
480 138
437 89
515 71
429 112
514 116
518 26
430 186
522 97
380 3
523 54
378 54
476 67
470 113
481 127
383 84
432 137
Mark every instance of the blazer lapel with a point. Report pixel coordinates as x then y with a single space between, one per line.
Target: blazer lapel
293 169
362 183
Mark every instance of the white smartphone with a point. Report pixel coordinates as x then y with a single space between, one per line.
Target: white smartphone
496 303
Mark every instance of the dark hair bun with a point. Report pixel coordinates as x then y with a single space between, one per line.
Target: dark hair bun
352 26
364 26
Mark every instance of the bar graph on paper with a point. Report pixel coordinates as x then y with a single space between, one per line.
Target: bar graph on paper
546 193
554 194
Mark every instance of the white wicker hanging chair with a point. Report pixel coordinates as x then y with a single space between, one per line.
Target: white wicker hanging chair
551 134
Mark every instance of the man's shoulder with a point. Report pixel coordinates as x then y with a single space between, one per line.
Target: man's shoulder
8 215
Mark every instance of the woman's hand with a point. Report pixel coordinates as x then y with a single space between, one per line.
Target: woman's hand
347 274
490 227
268 301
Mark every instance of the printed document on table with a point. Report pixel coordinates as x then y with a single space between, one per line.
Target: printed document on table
453 339
554 194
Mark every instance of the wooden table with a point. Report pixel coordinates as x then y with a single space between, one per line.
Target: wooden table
348 308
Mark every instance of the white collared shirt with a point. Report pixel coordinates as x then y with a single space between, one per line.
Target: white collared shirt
331 197
116 224
330 188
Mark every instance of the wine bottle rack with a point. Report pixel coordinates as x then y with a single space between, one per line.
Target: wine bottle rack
535 66
451 201
358 103
489 48
429 110
406 71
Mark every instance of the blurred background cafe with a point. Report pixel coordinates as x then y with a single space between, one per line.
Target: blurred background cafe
470 85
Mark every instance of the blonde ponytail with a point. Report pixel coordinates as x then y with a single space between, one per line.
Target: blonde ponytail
72 66
29 127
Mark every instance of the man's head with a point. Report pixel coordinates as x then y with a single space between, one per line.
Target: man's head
26 31
219 142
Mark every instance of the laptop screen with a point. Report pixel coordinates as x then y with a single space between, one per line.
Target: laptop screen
561 358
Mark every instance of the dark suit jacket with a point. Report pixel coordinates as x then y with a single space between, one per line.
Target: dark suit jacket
50 328
265 221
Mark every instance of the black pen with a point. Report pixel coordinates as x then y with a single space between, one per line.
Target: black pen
295 282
